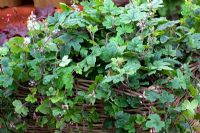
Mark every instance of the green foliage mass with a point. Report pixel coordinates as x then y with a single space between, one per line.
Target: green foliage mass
116 47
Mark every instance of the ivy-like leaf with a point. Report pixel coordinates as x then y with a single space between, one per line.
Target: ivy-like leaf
68 80
152 96
3 51
108 52
134 14
51 92
91 60
115 79
111 21
20 108
195 40
121 119
167 25
132 66
110 7
48 78
181 78
130 126
140 119
166 97
44 107
8 79
155 122
124 29
169 51
31 99
190 106
160 65
157 3
70 41
136 44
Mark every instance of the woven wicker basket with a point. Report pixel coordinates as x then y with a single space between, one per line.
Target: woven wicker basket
81 84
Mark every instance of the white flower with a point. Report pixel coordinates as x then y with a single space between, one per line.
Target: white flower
65 107
55 31
32 23
65 61
27 40
75 7
92 94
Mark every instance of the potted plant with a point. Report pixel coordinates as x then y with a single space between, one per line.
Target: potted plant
123 69
45 3
9 3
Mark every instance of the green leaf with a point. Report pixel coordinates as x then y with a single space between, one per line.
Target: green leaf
59 124
65 7
51 92
56 111
115 79
195 40
193 91
190 106
108 52
20 108
44 107
3 51
92 29
96 50
132 66
111 21
43 121
30 98
124 29
8 79
84 52
140 119
181 79
36 73
73 19
152 96
76 118
134 102
167 25
71 41
155 122
169 51
121 119
134 14
57 98
121 102
48 78
51 47
160 65
174 84
130 126
136 44
157 3
108 124
16 45
109 7
68 80
164 39
91 60
166 97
